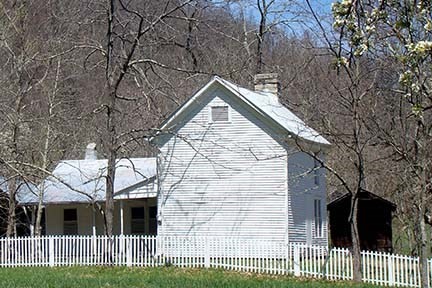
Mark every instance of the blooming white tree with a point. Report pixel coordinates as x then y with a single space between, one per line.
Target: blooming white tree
400 31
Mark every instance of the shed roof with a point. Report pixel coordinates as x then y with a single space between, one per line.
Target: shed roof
83 181
264 103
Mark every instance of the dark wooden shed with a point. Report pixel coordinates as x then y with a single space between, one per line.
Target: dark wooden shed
374 222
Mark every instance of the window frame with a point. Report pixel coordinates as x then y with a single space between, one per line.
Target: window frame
72 225
318 219
210 113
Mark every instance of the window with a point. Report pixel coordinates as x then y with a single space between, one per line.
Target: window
219 114
137 220
318 218
70 222
152 220
317 166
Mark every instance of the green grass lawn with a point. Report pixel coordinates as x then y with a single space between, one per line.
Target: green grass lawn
148 277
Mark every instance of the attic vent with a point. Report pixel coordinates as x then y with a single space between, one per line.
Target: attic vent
219 114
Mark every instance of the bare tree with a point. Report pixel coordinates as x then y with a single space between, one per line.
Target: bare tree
127 27
346 119
405 28
19 78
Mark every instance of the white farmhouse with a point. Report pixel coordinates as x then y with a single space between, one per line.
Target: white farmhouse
232 163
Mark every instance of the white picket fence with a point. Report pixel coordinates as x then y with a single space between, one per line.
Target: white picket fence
233 254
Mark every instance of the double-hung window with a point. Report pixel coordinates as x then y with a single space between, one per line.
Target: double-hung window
318 218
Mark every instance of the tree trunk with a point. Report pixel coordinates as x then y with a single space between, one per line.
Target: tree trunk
109 200
110 133
11 221
37 225
423 244
262 7
356 252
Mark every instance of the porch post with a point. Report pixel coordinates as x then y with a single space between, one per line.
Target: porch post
32 220
121 218
94 221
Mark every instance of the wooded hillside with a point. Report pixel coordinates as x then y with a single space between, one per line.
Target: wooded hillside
110 72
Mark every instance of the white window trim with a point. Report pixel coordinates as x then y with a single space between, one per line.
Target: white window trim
210 118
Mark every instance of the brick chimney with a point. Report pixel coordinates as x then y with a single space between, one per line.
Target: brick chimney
267 83
91 153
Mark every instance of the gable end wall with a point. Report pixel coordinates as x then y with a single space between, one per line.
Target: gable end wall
223 179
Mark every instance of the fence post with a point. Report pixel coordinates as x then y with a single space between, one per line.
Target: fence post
51 251
206 253
430 272
128 250
296 260
161 249
391 270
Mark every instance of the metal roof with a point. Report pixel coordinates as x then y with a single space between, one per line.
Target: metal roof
26 192
83 181
264 103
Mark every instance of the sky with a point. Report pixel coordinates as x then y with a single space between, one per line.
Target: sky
292 15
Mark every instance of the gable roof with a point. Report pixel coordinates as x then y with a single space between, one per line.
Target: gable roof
363 195
83 181
266 104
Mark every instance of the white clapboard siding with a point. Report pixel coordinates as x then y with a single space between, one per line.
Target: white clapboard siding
231 179
223 179
302 193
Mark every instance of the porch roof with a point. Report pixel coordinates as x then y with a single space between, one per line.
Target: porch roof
26 191
83 181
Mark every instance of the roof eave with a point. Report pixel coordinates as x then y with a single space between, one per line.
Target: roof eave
136 185
325 145
170 119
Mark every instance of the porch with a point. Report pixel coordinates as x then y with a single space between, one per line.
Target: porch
131 217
